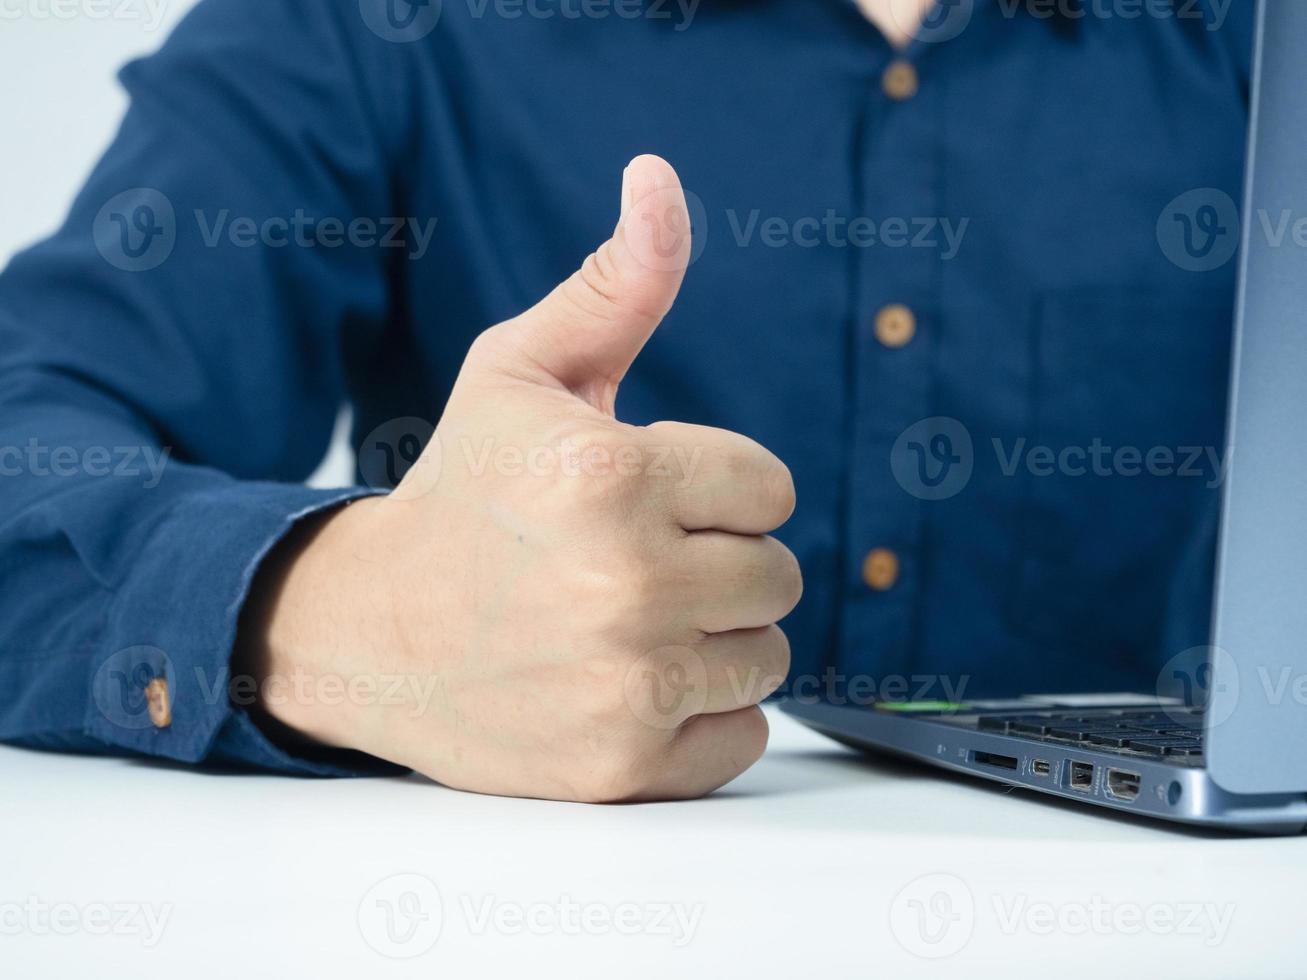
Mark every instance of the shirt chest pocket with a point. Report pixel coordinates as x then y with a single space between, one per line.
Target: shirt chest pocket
1120 475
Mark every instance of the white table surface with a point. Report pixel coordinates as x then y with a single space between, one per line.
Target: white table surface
817 861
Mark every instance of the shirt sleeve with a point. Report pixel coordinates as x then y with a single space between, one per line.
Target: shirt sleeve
170 369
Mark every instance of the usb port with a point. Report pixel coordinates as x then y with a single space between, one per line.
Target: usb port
1082 776
990 759
1040 768
1122 785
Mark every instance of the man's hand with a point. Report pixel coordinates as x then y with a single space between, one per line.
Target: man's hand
552 603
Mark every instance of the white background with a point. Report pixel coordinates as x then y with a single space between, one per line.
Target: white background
62 103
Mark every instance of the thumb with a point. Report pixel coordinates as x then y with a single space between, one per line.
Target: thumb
587 332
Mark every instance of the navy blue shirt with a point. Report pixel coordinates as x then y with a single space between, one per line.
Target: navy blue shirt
975 293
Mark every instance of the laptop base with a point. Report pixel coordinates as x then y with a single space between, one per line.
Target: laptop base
1163 787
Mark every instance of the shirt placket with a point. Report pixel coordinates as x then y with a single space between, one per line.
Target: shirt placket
896 310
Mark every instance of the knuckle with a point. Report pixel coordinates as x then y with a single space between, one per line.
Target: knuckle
665 429
621 591
589 495
763 668
492 345
746 740
754 466
601 699
636 578
777 658
786 577
753 736
594 475
779 489
596 289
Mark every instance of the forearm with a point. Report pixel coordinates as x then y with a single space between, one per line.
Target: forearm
158 413
120 574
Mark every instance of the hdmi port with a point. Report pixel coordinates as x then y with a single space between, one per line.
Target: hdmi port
1122 785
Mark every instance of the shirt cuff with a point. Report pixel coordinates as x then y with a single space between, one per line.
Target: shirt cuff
174 621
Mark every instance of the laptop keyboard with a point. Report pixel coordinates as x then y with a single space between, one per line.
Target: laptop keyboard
1176 733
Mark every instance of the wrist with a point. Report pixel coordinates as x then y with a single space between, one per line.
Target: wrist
295 630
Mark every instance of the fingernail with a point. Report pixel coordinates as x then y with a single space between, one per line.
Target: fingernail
626 190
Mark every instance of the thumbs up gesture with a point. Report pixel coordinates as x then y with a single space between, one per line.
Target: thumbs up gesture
559 604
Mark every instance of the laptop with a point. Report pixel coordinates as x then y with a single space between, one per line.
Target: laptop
1233 753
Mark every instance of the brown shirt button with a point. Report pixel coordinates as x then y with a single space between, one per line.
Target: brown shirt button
159 702
899 81
880 569
895 325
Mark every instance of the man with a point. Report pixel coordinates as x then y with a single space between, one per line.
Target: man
965 269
